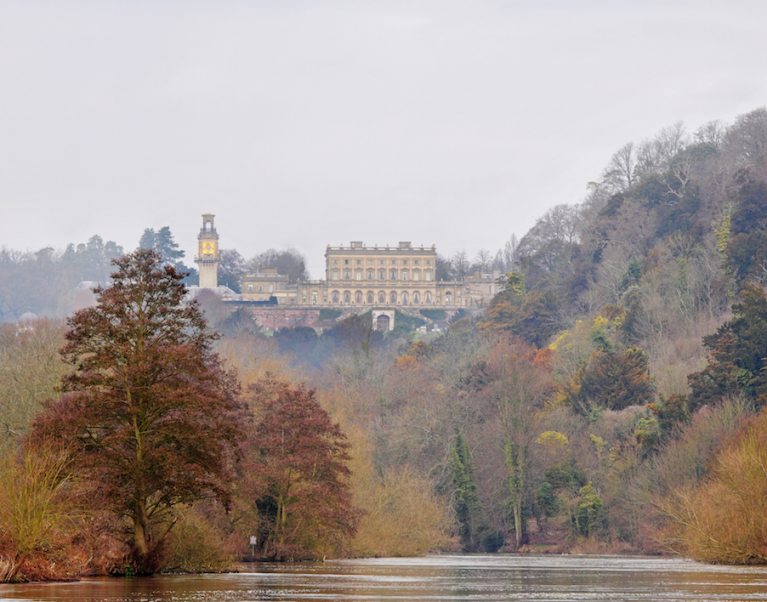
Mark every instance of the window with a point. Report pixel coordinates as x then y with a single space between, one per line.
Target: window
346 262
415 262
427 298
404 262
371 298
347 297
334 275
392 274
358 297
335 297
405 298
416 298
359 262
381 297
427 275
358 274
347 274
371 273
314 298
448 298
382 274
405 274
393 297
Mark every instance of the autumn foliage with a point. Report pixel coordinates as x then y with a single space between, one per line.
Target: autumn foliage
724 518
148 414
296 474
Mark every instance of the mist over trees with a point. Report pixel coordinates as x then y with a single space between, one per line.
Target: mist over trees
610 398
44 283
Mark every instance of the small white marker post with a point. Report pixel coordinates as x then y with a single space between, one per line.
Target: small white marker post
253 544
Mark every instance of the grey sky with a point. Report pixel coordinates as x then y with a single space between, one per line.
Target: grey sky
307 123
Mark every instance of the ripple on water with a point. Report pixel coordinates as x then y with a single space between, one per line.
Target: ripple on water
448 577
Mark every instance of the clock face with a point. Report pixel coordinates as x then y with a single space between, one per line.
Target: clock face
208 247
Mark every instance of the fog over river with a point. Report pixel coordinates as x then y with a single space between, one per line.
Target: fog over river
497 577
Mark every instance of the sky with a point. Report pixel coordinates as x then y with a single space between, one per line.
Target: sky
307 123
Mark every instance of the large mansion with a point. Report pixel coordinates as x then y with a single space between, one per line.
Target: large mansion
358 276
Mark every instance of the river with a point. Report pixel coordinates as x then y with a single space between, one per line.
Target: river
472 577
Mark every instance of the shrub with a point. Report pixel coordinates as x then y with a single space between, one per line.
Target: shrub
195 546
725 519
33 510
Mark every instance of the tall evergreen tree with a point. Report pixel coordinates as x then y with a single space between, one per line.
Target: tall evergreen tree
464 492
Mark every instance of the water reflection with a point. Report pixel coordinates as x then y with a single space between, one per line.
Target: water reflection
497 577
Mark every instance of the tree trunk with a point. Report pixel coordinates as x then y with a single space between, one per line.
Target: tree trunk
141 551
515 465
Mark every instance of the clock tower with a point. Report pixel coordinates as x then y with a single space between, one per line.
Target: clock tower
207 253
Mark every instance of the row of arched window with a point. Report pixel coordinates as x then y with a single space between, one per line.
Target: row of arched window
382 298
383 274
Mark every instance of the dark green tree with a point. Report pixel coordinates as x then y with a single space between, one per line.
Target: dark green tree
162 242
747 247
612 379
465 503
736 354
231 269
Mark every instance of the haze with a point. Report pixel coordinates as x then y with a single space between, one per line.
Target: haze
306 123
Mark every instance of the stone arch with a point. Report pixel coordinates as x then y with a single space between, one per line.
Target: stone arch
427 298
335 297
405 298
383 319
416 298
393 297
382 323
358 297
347 297
382 296
370 298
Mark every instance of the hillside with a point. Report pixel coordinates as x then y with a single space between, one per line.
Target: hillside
609 398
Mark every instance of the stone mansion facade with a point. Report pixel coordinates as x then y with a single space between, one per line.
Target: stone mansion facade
360 276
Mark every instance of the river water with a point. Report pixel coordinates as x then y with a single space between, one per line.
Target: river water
496 577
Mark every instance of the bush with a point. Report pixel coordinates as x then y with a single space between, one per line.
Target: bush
434 314
724 520
195 546
34 516
402 516
328 313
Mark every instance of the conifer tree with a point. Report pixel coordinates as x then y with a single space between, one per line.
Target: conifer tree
464 491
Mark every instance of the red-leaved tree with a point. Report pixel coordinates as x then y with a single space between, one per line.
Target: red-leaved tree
150 415
296 474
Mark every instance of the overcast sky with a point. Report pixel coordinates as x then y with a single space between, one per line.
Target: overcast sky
303 123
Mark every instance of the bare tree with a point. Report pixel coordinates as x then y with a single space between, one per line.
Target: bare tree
620 173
